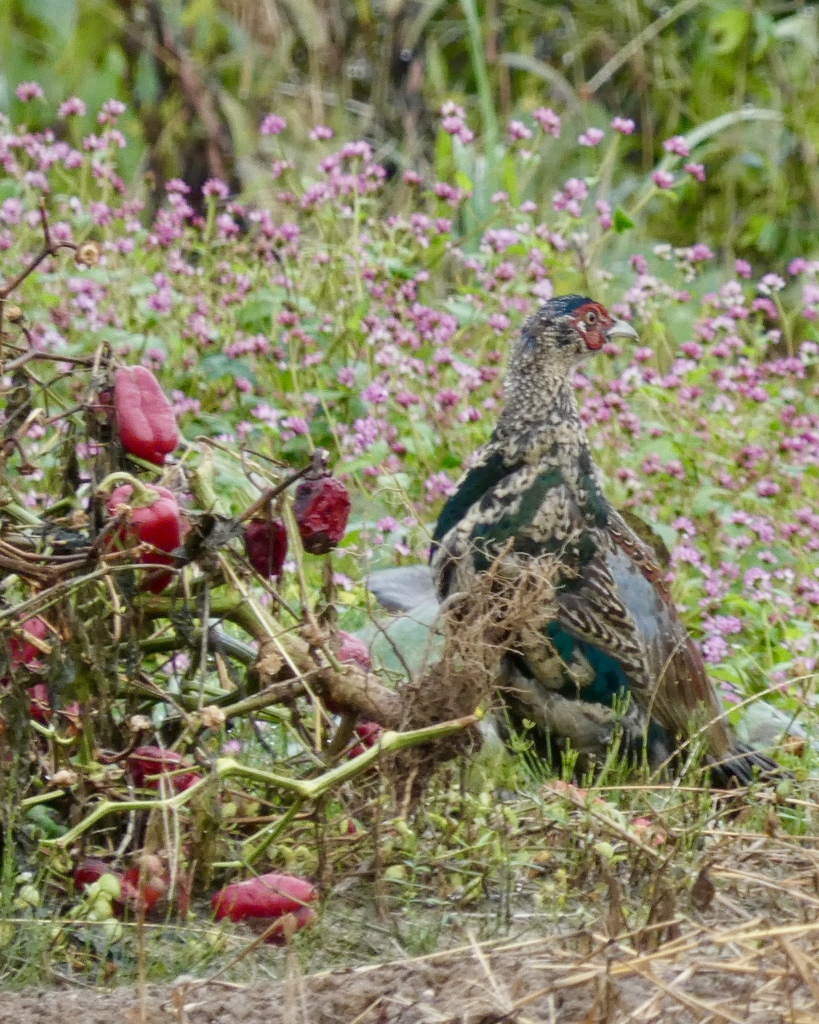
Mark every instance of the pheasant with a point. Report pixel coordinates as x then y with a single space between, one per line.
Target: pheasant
616 659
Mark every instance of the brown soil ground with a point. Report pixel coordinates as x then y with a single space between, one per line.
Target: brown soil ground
739 946
748 973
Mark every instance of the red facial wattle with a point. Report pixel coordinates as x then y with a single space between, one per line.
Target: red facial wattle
592 321
594 340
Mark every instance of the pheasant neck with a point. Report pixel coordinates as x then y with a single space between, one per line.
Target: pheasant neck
540 424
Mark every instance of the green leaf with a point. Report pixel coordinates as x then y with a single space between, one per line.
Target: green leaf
43 818
708 499
257 312
729 30
464 311
372 457
622 221
219 365
463 181
8 189
60 17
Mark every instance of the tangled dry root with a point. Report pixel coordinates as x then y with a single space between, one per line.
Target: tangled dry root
497 611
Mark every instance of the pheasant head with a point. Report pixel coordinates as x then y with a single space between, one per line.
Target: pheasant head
552 344
557 338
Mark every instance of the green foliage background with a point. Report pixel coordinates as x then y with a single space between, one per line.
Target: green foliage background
199 74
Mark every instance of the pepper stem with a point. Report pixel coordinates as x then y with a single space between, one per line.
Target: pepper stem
143 494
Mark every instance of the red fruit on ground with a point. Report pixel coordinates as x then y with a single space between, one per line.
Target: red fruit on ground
266 546
147 761
147 894
145 418
267 896
281 933
158 524
133 895
91 870
321 508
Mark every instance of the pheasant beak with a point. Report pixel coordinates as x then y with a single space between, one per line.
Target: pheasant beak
621 329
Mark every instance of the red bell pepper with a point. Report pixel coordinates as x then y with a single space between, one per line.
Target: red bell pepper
158 524
266 897
368 733
144 415
23 652
146 762
266 546
91 870
321 508
353 651
134 894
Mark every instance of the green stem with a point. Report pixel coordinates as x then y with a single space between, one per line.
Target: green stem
786 325
303 789
33 801
143 494
224 606
269 834
20 513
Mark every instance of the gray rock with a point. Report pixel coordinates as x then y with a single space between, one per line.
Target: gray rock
403 588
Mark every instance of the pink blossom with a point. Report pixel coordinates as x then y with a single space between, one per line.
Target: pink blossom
548 120
518 130
699 253
770 284
499 323
439 485
321 132
375 393
591 137
452 109
767 488
215 187
296 424
36 179
696 171
27 91
352 650
449 194
676 144
110 111
454 123
605 219
623 125
663 179
73 105
715 650
543 290
743 268
272 125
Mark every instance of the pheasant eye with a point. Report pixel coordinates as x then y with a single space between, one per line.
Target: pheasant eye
591 317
